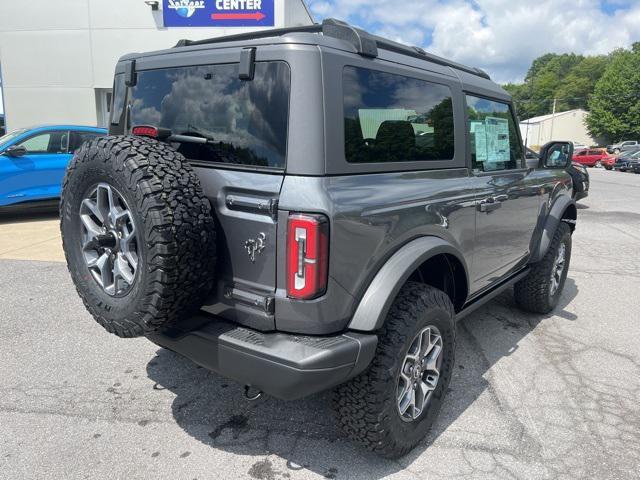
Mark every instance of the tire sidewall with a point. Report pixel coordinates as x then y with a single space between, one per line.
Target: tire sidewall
563 238
85 177
412 432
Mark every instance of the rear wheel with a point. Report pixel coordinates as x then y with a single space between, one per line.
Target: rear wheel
390 407
137 234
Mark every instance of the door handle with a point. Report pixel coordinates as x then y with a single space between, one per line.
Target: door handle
489 204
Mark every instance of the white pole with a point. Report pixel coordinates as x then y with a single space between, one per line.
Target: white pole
553 117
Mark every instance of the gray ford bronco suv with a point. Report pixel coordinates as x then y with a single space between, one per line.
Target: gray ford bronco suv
314 208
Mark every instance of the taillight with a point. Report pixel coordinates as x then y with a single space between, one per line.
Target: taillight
307 255
145 131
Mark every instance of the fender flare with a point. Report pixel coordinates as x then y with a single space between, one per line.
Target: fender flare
382 291
550 226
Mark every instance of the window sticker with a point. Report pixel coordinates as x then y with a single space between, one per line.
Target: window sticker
491 140
497 135
480 136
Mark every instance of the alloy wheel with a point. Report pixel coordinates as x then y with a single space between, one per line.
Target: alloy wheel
558 268
419 374
109 239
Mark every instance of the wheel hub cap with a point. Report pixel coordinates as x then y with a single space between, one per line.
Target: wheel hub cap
419 374
109 239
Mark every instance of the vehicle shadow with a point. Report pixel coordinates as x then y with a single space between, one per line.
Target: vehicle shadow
303 432
28 214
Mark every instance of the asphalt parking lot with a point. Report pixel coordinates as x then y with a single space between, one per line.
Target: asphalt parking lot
554 396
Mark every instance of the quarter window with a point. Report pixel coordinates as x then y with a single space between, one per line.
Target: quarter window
495 144
78 138
392 118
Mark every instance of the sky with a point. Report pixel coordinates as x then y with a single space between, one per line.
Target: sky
500 36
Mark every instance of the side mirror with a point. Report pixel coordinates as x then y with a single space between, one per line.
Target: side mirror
15 151
557 154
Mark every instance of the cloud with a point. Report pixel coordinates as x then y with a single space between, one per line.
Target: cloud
501 36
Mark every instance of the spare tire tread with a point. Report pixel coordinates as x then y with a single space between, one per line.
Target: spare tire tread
178 231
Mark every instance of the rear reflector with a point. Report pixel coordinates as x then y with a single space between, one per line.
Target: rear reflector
307 256
145 131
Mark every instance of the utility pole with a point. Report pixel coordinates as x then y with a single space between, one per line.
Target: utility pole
553 117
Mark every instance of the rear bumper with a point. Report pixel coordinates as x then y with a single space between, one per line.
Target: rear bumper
286 366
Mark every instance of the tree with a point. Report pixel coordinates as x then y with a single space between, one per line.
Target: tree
568 77
615 104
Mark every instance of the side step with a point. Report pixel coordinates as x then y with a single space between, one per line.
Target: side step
480 300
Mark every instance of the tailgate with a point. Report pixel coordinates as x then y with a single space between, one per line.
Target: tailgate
245 208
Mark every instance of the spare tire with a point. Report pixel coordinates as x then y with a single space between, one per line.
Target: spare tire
137 233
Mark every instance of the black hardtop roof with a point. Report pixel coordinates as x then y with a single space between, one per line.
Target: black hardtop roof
331 33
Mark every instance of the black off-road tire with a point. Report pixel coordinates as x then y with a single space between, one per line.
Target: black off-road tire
177 236
533 293
366 406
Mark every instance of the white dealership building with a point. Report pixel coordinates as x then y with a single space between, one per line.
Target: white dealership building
57 56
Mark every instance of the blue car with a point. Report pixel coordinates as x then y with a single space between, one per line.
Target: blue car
33 161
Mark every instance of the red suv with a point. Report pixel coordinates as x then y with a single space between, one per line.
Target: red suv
590 158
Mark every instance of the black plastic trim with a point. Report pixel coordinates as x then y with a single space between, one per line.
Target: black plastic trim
130 75
286 366
480 299
247 65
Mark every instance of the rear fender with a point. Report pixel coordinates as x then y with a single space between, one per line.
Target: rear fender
377 299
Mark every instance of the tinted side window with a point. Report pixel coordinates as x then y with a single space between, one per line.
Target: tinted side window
392 118
119 94
495 144
50 142
78 138
244 121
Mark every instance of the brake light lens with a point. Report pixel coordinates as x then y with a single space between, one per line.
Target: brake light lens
145 131
307 256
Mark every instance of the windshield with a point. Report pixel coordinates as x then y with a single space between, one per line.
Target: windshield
11 135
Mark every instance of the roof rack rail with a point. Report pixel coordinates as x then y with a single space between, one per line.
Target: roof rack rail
274 32
365 44
418 52
330 27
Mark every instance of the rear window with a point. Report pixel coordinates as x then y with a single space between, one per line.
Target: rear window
393 118
78 138
245 121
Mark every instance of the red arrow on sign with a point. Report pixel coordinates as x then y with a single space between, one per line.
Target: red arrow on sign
238 16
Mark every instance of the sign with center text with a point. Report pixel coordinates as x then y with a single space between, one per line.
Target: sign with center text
218 13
